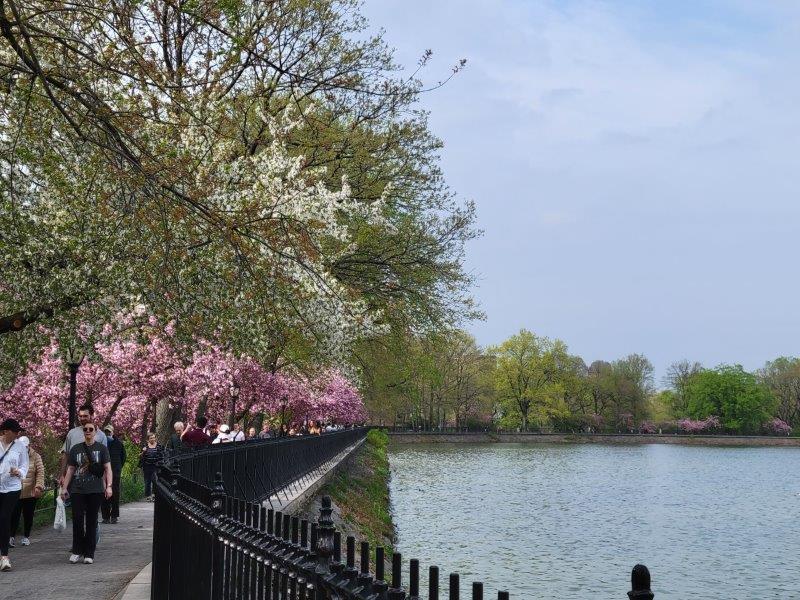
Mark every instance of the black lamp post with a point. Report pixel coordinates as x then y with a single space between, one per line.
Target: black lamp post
234 394
73 357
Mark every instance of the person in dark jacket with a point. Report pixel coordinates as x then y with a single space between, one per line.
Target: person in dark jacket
116 451
175 445
152 455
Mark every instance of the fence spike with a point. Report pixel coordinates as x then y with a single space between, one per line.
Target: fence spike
477 590
433 583
640 584
413 588
455 587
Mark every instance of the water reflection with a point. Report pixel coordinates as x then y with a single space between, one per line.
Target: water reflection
569 521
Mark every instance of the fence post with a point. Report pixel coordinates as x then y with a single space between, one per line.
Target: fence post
217 546
324 546
640 584
162 535
396 592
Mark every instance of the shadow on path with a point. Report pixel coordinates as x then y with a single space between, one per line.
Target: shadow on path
42 571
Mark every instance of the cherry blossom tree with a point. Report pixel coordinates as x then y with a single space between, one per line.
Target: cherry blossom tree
144 378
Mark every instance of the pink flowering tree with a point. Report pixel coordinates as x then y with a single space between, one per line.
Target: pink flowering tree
706 425
134 380
777 427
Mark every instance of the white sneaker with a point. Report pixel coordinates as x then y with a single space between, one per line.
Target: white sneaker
88 561
74 558
5 564
25 542
12 543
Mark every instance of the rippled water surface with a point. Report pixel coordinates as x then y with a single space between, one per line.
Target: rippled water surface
569 521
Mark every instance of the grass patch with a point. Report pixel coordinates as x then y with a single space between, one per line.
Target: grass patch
362 492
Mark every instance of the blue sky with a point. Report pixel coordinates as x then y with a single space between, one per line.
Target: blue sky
635 167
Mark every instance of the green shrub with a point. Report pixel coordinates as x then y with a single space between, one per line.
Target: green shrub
378 438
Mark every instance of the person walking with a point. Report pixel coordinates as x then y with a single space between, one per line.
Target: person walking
117 455
224 436
75 436
87 481
32 490
265 433
152 455
237 435
175 444
195 437
13 469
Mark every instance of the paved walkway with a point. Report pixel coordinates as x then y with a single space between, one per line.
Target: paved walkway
42 571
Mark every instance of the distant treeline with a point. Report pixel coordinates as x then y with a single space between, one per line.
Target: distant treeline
533 383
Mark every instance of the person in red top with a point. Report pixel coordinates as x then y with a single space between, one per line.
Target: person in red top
195 437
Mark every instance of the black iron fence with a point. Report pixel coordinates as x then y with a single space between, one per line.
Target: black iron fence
214 538
258 469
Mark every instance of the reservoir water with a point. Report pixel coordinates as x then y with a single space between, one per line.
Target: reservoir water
570 521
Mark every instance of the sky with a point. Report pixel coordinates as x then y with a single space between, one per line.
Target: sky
635 167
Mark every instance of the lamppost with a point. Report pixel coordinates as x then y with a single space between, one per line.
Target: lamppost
73 357
234 391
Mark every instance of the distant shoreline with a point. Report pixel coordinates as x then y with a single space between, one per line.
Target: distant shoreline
432 437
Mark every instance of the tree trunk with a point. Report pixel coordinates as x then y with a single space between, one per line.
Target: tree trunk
112 411
145 422
163 423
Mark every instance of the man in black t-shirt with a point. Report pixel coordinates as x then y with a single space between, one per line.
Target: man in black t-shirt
88 480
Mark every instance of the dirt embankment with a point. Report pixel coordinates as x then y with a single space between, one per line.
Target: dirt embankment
359 493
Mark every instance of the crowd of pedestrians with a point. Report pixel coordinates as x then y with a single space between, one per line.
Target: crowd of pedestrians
90 472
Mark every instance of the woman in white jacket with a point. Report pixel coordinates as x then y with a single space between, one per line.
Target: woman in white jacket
13 469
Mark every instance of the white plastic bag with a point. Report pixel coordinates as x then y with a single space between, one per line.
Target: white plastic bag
60 522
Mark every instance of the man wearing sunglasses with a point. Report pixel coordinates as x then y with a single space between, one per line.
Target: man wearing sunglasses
87 481
75 436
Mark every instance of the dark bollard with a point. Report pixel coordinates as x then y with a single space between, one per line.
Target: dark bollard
477 590
502 595
262 521
278 523
350 571
304 533
351 552
413 588
270 521
455 587
364 578
287 527
295 530
379 586
640 584
380 563
433 583
337 566
396 592
365 558
337 547
314 540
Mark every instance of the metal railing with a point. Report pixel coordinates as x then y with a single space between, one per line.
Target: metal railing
215 540
255 470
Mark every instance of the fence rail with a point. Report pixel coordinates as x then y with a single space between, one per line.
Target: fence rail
214 539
